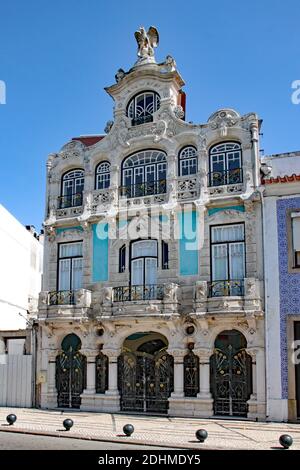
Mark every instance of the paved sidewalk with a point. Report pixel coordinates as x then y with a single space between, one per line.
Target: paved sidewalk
152 430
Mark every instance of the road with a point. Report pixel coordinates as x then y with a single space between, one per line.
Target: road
12 441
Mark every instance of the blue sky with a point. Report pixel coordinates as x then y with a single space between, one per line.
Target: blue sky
56 57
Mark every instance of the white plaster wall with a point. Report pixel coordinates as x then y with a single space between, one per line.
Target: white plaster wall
276 407
20 271
285 164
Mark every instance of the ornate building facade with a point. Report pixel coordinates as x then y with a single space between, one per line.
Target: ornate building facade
152 294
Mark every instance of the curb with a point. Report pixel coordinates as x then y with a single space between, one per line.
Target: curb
103 439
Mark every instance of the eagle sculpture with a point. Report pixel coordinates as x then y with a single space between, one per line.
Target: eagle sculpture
146 41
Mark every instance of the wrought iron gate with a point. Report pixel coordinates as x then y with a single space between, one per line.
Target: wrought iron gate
70 378
145 381
231 381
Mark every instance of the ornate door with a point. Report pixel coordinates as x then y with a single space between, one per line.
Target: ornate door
70 374
231 377
145 381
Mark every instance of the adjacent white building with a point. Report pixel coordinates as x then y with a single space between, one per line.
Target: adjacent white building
21 254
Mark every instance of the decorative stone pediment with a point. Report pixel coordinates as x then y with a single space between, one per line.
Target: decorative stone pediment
72 149
223 119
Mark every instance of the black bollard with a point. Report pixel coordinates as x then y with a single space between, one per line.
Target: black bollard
11 419
201 435
128 429
68 423
286 440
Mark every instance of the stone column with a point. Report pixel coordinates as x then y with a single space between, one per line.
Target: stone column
205 401
90 373
111 398
51 389
204 372
178 355
257 401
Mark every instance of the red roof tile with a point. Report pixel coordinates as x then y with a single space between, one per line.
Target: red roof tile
281 179
89 139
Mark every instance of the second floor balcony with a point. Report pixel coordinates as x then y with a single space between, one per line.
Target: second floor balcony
148 188
225 181
136 293
64 304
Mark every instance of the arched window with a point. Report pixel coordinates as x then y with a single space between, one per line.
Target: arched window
72 188
144 173
187 161
103 175
225 164
141 108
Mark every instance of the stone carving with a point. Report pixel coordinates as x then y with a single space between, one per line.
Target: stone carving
179 112
170 292
51 233
223 119
146 41
159 130
200 290
152 308
202 143
119 75
106 294
169 65
250 287
187 188
70 150
108 126
122 133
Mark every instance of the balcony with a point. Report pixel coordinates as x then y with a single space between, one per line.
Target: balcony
70 200
153 299
143 194
144 189
69 205
225 181
229 297
62 297
226 288
132 293
64 304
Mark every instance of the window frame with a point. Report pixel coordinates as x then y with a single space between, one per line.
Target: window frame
189 159
225 153
97 174
133 258
133 101
59 258
228 251
293 267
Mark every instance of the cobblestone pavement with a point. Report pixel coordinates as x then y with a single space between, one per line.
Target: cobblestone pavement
152 430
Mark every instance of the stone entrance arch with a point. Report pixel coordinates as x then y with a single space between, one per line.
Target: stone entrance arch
70 373
145 373
231 374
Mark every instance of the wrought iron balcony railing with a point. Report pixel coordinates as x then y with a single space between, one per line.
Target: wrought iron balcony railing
144 189
70 200
132 293
61 297
141 120
221 178
226 288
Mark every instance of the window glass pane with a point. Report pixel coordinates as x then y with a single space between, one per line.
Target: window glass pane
144 248
137 271
228 233
219 263
237 260
70 249
150 271
77 265
64 275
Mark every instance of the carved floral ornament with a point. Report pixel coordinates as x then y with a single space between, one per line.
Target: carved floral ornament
223 119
